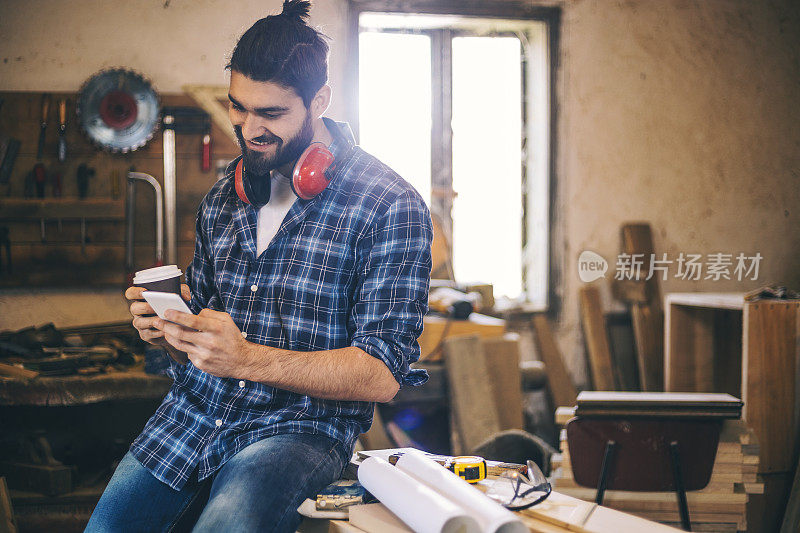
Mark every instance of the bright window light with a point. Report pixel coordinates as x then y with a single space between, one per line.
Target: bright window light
487 162
395 103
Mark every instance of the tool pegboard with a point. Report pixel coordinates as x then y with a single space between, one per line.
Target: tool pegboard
67 240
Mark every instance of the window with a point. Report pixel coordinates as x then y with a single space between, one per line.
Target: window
460 107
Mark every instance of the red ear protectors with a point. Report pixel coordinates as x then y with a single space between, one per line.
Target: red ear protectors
310 177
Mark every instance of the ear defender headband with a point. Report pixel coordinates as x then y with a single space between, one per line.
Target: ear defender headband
312 174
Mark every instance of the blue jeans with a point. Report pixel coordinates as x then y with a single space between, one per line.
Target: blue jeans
258 489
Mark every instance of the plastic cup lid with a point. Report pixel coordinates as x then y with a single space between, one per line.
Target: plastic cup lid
157 274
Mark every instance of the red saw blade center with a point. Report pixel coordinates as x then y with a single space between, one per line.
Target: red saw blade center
118 110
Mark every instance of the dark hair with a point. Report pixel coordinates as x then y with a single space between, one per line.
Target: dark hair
284 49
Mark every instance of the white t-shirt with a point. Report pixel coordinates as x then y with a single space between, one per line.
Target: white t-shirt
271 215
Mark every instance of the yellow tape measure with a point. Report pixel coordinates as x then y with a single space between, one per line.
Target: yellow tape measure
470 468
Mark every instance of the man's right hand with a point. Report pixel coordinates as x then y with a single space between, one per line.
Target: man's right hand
144 318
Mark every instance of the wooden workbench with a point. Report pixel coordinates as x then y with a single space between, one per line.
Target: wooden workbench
65 391
559 513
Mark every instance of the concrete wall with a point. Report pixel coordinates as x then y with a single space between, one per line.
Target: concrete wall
681 113
49 45
684 114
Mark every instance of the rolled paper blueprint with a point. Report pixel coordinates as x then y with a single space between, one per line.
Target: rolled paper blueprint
490 515
421 508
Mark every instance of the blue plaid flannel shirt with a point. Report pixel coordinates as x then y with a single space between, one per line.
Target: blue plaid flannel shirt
349 268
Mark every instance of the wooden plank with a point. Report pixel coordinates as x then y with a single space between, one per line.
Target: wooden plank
535 525
594 332
564 414
648 319
436 329
629 291
715 300
558 379
214 101
664 501
17 371
7 522
765 512
82 390
619 328
87 208
727 351
376 517
719 520
689 341
770 357
502 365
572 514
791 518
471 395
376 437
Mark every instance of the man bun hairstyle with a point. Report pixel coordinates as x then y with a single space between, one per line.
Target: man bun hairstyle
284 49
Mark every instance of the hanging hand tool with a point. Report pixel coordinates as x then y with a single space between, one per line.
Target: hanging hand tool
5 242
39 180
83 236
114 177
9 148
30 185
43 125
130 226
62 130
84 173
40 177
132 177
8 156
205 164
176 120
57 180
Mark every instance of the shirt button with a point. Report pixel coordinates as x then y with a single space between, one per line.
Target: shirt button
244 334
218 422
254 287
241 384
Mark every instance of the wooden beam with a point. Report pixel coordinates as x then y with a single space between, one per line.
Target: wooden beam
208 97
471 395
648 318
594 331
561 386
502 366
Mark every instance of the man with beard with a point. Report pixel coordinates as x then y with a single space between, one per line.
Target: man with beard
306 310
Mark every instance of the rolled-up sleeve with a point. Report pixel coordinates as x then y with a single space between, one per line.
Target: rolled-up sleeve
391 295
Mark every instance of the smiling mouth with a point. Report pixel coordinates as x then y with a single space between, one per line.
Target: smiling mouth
261 143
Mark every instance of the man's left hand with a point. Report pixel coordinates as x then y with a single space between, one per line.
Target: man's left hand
211 339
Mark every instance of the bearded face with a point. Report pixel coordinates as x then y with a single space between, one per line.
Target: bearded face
270 151
272 123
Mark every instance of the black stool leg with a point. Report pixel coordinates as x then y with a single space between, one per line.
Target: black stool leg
676 476
605 470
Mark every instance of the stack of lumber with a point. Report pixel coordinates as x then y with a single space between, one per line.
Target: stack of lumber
720 507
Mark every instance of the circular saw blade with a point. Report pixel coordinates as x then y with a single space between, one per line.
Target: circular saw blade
118 110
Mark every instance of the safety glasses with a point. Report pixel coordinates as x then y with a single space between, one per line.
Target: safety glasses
516 491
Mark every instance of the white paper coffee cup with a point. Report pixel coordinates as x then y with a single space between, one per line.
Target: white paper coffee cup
164 279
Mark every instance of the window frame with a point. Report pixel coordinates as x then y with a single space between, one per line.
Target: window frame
551 16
